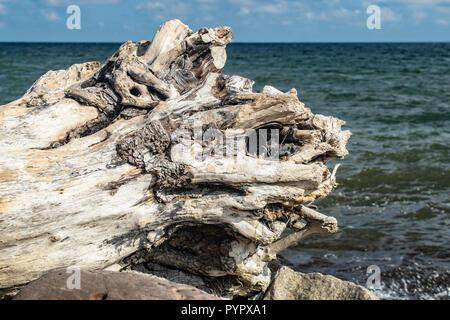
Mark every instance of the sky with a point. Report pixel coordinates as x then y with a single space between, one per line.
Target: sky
250 20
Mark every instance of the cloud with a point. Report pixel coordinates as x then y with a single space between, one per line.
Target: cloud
161 10
50 16
206 1
418 13
442 21
244 11
277 7
316 16
2 9
343 12
346 13
152 5
387 15
419 10
314 11
61 3
167 9
418 2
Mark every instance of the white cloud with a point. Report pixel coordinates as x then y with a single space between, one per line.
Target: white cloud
2 9
323 10
418 14
277 7
167 9
244 11
387 15
418 10
50 16
316 16
271 8
418 2
151 5
60 3
206 1
345 13
339 13
442 21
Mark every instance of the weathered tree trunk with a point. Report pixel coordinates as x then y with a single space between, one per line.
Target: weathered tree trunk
157 152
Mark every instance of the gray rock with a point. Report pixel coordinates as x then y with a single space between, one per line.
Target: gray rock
173 275
291 285
109 285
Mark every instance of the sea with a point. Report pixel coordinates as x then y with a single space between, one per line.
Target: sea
393 197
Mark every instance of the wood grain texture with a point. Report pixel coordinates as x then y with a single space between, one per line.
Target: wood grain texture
146 152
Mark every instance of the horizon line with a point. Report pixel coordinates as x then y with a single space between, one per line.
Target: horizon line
237 42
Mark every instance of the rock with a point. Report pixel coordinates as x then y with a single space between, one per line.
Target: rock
291 285
172 275
108 285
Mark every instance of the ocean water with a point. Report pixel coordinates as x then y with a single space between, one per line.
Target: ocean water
393 198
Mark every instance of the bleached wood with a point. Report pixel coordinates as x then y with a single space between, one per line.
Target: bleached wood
99 163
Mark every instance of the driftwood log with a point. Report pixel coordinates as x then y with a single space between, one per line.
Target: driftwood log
157 153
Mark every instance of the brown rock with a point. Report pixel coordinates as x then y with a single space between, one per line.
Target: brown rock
291 285
108 285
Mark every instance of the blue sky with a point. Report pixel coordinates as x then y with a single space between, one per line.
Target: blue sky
250 20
